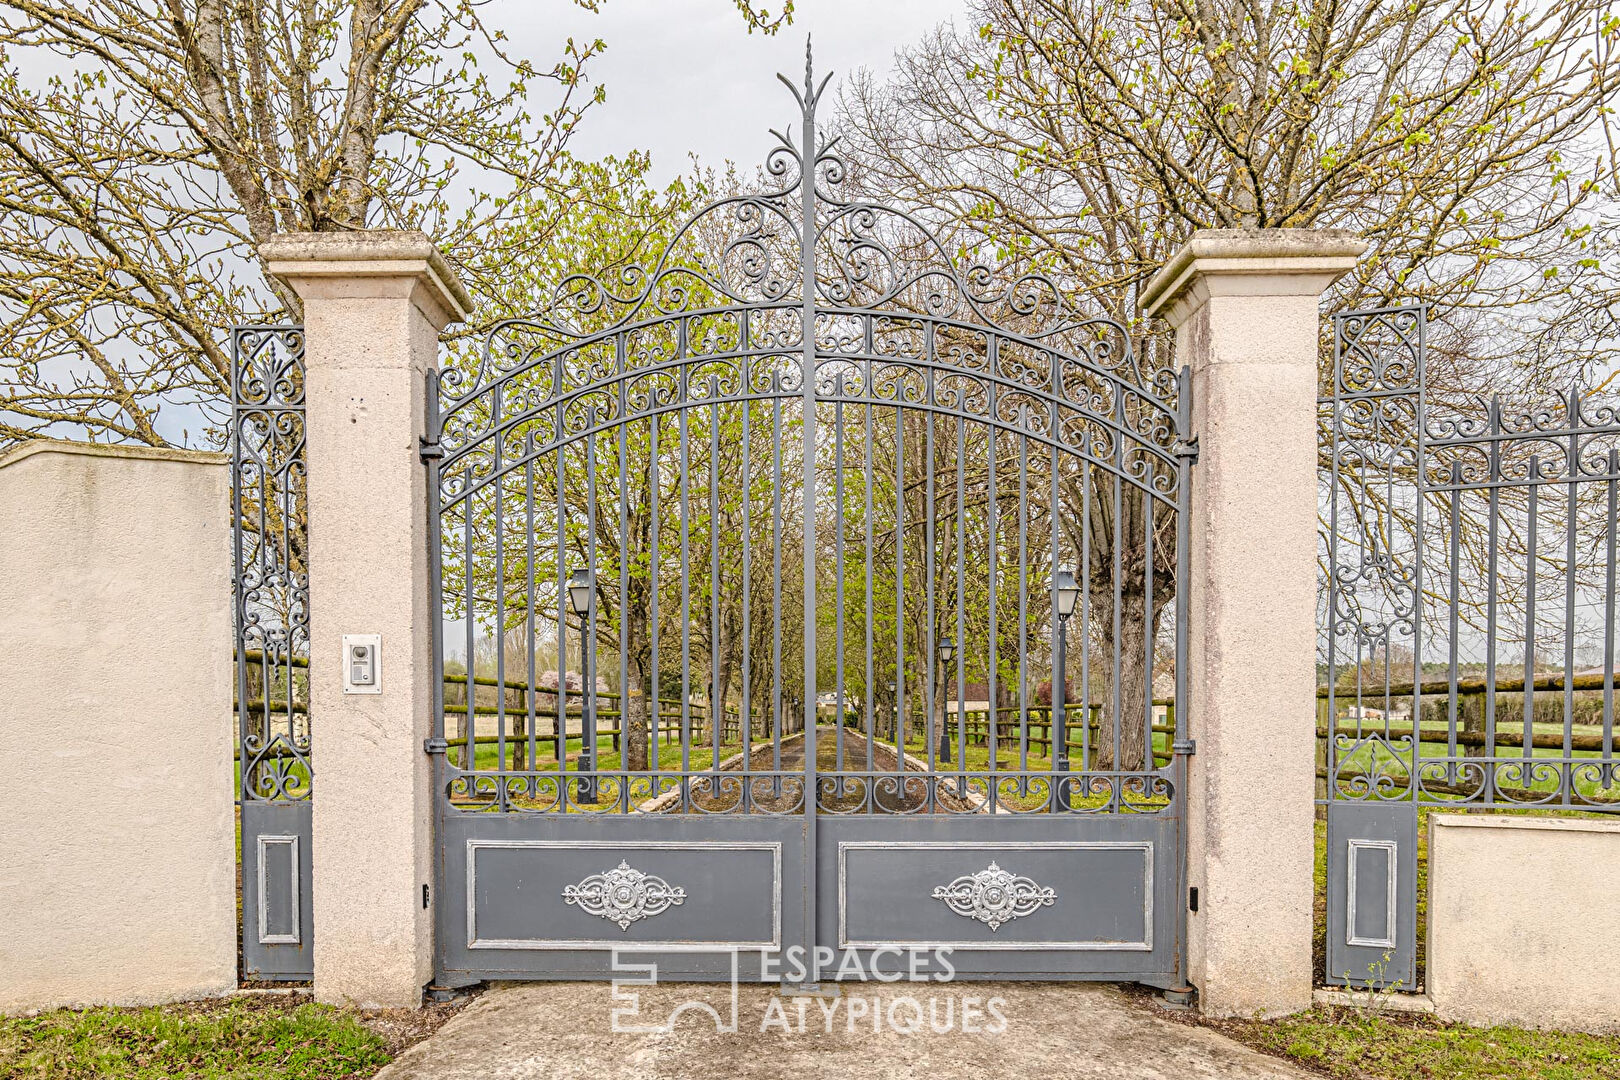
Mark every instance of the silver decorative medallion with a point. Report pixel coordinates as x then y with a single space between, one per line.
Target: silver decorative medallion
624 895
993 896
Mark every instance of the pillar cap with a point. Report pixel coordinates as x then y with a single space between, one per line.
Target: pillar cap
1307 260
369 253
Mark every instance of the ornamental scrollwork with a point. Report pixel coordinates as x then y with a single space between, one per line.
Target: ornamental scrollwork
708 317
995 896
624 895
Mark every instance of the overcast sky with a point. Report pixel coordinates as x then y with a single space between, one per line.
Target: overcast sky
686 76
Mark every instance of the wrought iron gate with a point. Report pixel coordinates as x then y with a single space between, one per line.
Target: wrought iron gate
1470 573
269 539
814 516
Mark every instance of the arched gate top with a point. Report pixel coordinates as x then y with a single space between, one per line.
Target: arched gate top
721 314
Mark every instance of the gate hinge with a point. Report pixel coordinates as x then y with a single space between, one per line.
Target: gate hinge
1184 746
1187 448
435 746
430 450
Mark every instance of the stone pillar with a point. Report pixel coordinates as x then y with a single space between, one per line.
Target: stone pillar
374 303
1243 304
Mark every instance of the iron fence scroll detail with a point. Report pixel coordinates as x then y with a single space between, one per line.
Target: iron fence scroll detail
271 547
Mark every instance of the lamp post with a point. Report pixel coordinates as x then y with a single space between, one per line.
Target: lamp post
894 702
1066 594
581 593
947 653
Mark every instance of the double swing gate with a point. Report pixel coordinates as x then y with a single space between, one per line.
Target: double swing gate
798 590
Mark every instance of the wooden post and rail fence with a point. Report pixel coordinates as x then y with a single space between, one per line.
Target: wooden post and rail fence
1035 733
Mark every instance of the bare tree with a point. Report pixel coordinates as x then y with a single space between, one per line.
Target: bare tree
147 147
1088 138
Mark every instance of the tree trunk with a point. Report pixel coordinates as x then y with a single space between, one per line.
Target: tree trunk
1130 694
633 718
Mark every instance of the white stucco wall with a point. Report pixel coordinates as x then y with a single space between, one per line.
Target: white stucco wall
117 864
1524 922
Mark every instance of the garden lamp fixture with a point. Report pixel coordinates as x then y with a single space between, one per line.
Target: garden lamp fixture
580 587
1068 593
947 650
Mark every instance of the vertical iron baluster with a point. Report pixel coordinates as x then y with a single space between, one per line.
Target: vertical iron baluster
501 763
1607 777
870 418
1530 621
1420 485
807 285
992 556
588 702
655 697
1149 762
1331 752
961 607
435 543
683 432
1085 614
1119 580
931 665
1573 465
528 613
1453 527
776 582
1493 427
1023 599
468 761
838 572
561 568
900 717
745 708
717 709
1057 712
622 743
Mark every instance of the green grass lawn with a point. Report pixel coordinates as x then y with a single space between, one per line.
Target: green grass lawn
271 1038
1352 1044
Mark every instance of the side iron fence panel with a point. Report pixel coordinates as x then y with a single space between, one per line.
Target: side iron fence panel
272 650
1468 620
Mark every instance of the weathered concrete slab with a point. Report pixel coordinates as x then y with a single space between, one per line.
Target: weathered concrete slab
559 1030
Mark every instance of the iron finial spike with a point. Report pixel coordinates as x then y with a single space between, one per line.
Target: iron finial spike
809 81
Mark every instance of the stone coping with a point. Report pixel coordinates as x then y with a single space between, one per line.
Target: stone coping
1458 821
1252 251
386 252
34 447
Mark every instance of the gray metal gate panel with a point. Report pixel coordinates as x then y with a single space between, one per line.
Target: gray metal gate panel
1372 894
518 900
1092 897
278 922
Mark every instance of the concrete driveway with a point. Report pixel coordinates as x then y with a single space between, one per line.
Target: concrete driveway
991 1030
